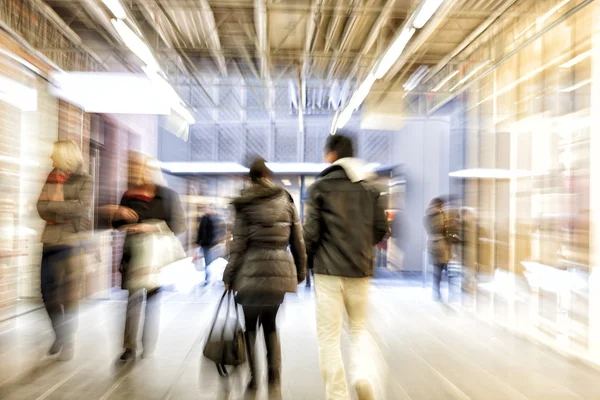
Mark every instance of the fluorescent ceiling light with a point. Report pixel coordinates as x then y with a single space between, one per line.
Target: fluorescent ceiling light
136 44
344 118
427 10
416 78
18 95
577 59
203 168
543 18
297 168
491 173
576 86
393 52
116 8
286 182
446 79
361 93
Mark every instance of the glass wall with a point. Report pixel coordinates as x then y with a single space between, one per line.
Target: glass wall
529 130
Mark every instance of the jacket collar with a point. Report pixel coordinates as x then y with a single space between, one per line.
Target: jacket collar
353 169
264 189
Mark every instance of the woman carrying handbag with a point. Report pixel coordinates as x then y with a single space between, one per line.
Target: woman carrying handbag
261 269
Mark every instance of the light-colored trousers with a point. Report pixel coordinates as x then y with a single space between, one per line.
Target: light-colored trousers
334 295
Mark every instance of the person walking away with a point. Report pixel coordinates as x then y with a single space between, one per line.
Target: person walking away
439 244
260 268
145 199
344 223
65 205
210 234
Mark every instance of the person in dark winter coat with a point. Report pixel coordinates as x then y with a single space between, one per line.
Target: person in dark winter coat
261 269
345 221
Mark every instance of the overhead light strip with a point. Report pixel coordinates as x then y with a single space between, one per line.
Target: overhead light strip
417 20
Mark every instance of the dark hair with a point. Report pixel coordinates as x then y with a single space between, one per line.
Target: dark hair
437 202
341 145
259 170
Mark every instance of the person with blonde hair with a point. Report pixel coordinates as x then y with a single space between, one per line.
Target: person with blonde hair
146 199
65 205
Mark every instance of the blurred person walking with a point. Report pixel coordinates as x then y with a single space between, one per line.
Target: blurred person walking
145 200
344 223
439 246
260 268
65 205
211 232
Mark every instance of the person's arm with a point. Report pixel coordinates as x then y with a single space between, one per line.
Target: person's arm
312 226
380 223
297 245
60 210
238 249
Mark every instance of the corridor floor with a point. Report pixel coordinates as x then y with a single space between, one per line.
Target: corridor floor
422 350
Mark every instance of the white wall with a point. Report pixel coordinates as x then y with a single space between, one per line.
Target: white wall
422 148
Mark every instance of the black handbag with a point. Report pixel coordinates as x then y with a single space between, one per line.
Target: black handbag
226 343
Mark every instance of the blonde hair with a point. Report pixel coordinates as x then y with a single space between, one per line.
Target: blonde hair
148 172
67 155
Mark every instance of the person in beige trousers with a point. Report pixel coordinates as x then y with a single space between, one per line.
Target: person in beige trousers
344 223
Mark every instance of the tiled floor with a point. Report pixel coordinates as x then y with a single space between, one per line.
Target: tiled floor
421 350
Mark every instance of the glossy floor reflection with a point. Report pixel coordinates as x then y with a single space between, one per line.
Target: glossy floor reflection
421 350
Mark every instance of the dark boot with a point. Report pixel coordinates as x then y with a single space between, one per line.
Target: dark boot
274 361
251 351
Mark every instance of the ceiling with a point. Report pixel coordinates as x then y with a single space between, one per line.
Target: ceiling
320 48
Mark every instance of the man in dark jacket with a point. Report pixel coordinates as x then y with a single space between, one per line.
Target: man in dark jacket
344 223
210 233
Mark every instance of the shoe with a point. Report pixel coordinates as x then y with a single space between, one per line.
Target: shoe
128 355
55 348
364 390
67 353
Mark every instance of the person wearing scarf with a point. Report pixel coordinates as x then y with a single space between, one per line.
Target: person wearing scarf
65 205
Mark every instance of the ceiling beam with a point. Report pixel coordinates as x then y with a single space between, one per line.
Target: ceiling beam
211 35
260 22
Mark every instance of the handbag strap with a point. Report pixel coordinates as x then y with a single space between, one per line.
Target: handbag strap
212 326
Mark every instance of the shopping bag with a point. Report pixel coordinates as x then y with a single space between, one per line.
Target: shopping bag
226 344
149 253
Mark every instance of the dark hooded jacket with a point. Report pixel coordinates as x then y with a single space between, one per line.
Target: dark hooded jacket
345 220
261 269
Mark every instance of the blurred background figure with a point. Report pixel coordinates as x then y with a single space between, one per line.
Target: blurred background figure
145 200
65 205
211 235
260 268
439 245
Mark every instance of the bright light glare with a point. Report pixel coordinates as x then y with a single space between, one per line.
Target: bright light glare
393 52
576 86
297 168
19 161
469 76
361 93
286 182
446 79
576 60
483 173
426 12
344 118
116 8
18 95
416 78
203 168
135 44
